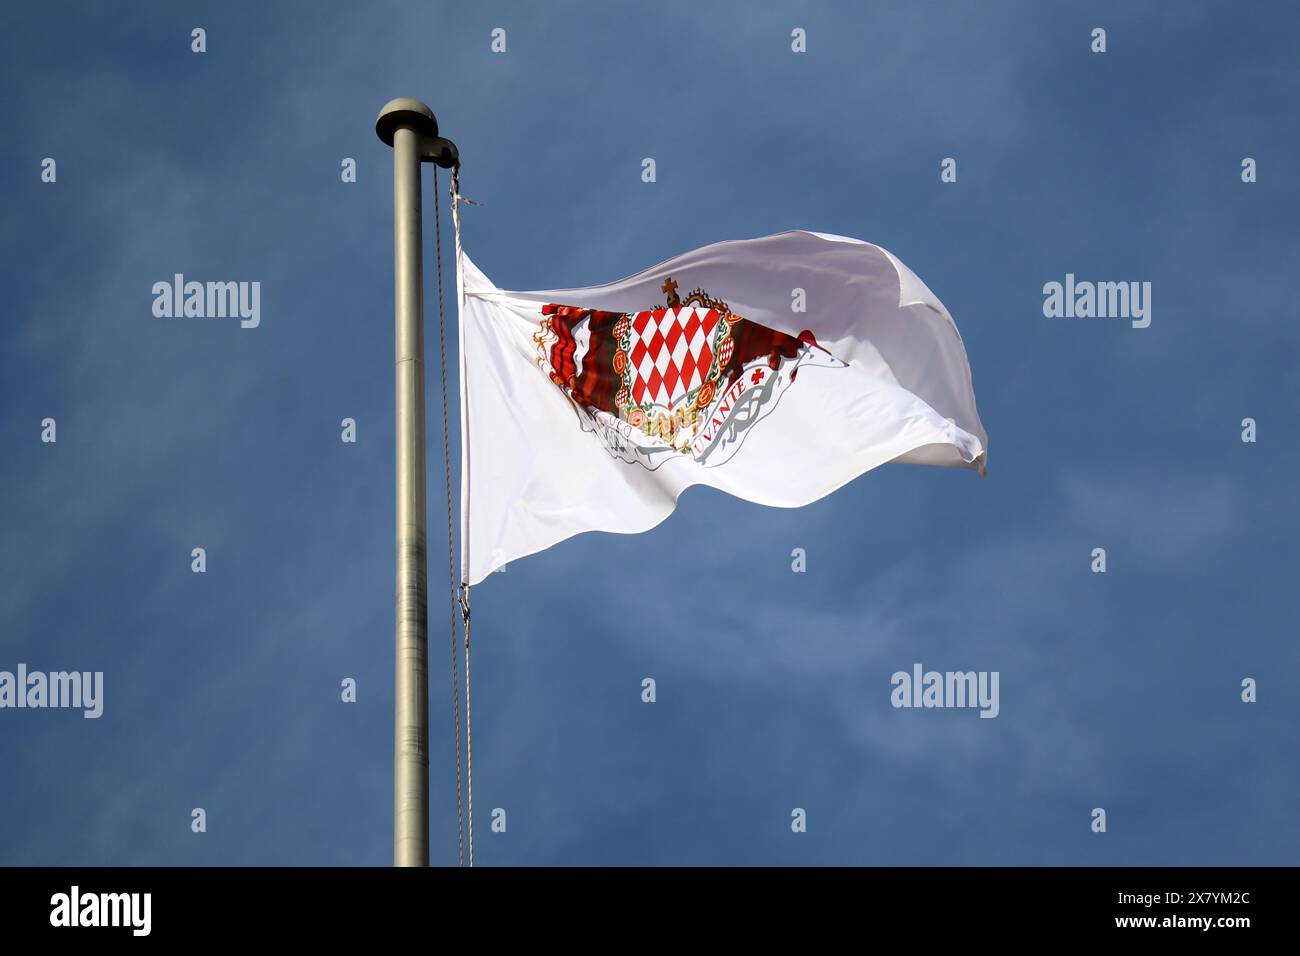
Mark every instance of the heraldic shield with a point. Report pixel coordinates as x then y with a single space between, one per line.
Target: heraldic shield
687 378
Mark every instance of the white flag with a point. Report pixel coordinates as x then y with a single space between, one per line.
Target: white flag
775 369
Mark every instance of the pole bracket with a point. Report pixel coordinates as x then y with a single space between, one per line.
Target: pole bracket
439 150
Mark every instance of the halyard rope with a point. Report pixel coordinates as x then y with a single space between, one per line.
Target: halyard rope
456 200
469 738
451 558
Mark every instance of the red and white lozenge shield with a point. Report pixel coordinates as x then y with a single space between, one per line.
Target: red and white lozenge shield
690 378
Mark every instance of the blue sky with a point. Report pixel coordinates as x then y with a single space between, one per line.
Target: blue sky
222 690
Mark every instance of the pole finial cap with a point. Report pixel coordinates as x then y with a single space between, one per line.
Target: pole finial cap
405 111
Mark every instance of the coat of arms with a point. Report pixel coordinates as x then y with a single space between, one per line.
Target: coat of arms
688 378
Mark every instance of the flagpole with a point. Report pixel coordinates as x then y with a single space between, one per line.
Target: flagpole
409 127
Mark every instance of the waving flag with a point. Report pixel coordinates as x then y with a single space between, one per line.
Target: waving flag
775 369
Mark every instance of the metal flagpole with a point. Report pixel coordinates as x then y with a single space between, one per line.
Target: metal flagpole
409 127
